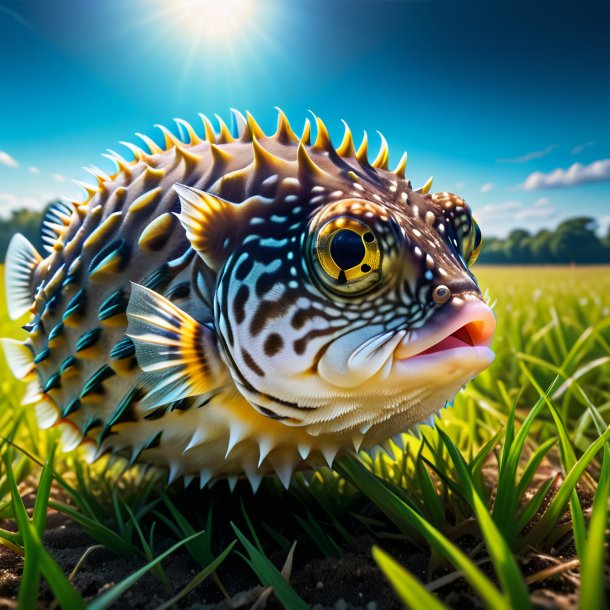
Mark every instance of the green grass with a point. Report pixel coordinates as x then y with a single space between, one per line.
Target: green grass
517 469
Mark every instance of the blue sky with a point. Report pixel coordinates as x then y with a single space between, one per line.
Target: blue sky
497 100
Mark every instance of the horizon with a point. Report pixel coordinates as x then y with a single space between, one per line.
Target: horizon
498 110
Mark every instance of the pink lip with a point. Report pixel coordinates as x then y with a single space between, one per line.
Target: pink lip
467 324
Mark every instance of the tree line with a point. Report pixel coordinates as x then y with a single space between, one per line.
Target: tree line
574 241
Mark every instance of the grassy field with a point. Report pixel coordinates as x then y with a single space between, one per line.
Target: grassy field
499 506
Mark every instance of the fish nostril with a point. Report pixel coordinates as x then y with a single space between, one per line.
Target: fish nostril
441 294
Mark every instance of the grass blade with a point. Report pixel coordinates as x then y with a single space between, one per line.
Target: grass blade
403 515
592 595
111 595
408 588
501 555
269 575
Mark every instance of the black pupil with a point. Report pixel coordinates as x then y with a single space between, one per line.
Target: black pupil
347 249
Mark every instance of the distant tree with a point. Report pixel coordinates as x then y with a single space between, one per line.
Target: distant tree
517 247
575 241
540 247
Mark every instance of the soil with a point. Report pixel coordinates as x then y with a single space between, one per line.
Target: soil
351 582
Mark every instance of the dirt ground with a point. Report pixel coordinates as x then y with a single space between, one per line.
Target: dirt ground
352 582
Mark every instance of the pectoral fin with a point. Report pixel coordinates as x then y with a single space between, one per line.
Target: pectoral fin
178 355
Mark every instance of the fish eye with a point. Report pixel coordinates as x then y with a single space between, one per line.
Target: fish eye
347 256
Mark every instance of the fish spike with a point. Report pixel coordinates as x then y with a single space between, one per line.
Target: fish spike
224 136
346 149
426 188
363 149
219 155
284 132
254 128
154 148
170 139
307 169
193 137
306 135
138 153
322 141
99 174
189 158
400 169
263 159
121 163
89 189
381 160
240 124
210 136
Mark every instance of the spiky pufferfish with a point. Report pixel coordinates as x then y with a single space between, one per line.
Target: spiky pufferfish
246 304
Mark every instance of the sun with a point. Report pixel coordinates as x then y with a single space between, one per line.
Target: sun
214 17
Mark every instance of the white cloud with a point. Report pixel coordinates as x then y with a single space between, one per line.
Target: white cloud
535 212
598 171
485 188
580 147
530 156
10 202
460 185
33 170
542 201
58 177
498 209
6 159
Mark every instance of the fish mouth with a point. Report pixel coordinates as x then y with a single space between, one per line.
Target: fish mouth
463 329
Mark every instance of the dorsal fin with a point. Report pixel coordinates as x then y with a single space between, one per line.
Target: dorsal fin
21 262
19 357
178 355
209 222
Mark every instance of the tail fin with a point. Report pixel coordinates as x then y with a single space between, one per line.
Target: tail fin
21 262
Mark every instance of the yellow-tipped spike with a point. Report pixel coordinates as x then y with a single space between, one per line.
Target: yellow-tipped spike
426 188
100 175
138 153
284 131
322 142
219 155
400 169
306 135
363 149
88 188
224 136
306 166
255 130
346 149
263 159
210 136
381 160
181 154
152 145
193 137
240 121
121 163
170 139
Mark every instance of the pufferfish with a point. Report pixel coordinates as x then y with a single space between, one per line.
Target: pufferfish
243 303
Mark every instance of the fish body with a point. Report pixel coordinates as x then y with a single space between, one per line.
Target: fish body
246 304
